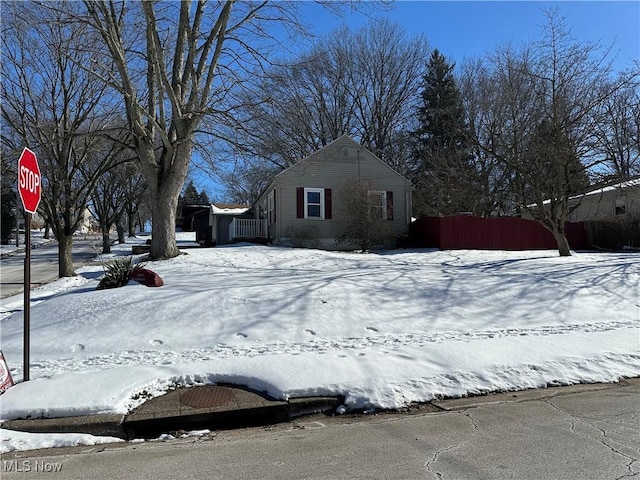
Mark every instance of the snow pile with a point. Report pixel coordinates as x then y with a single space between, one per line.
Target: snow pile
11 440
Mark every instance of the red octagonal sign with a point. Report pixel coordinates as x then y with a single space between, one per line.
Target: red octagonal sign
29 181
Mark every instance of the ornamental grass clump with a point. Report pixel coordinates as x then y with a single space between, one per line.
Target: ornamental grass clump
116 273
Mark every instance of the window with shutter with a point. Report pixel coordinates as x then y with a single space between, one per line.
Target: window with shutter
377 204
389 205
313 203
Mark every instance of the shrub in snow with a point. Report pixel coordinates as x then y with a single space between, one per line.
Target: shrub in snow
116 273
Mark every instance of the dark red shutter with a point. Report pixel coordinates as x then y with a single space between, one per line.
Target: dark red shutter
327 203
300 202
389 205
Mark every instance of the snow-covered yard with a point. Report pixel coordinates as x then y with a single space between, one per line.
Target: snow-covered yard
382 329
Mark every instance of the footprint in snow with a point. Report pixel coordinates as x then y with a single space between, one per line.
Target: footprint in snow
76 347
241 334
371 329
156 343
310 332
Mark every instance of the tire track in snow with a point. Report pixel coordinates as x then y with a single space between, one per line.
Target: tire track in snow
314 345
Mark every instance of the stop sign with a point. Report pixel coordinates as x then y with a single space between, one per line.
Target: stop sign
29 181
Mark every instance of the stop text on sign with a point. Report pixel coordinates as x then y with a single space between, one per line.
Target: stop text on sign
29 180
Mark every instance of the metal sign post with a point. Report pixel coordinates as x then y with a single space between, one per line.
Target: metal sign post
30 190
27 295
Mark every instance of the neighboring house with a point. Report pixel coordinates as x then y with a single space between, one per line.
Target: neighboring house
89 222
606 203
610 214
609 202
303 203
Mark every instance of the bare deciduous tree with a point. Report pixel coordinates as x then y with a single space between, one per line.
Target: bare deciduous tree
617 135
56 108
362 83
166 77
108 200
178 63
557 82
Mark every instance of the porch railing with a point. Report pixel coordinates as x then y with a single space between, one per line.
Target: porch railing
247 228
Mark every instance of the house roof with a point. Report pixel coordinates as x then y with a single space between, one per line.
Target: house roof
634 182
228 209
319 150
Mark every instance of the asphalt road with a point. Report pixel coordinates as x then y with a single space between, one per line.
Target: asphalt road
583 432
44 264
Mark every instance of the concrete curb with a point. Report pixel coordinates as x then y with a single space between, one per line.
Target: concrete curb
170 412
243 408
99 425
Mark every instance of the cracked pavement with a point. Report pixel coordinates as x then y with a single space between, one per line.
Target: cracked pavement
579 432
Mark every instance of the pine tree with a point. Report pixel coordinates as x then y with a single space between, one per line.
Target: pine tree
190 195
441 115
203 198
444 173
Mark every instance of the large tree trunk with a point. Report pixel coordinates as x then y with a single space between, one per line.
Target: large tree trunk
65 260
163 226
563 243
131 222
106 241
120 230
166 188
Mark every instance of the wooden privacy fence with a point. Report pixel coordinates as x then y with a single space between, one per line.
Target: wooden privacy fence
500 233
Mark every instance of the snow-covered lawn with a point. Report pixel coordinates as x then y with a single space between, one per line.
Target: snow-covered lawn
382 329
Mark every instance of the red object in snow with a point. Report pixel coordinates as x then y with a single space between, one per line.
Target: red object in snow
146 277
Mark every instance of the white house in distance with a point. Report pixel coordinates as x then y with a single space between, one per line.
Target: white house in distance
606 202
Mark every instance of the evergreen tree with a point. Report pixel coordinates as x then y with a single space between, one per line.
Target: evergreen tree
444 174
190 195
203 198
441 115
8 213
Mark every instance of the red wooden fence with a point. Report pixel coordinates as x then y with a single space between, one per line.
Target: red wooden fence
501 233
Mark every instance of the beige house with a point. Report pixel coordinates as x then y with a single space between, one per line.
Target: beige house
610 214
606 203
303 203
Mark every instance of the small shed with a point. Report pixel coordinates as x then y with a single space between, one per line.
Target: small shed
223 220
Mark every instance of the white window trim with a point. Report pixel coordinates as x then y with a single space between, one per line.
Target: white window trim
306 203
383 193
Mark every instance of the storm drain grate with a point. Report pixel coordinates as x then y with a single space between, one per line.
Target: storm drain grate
207 397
